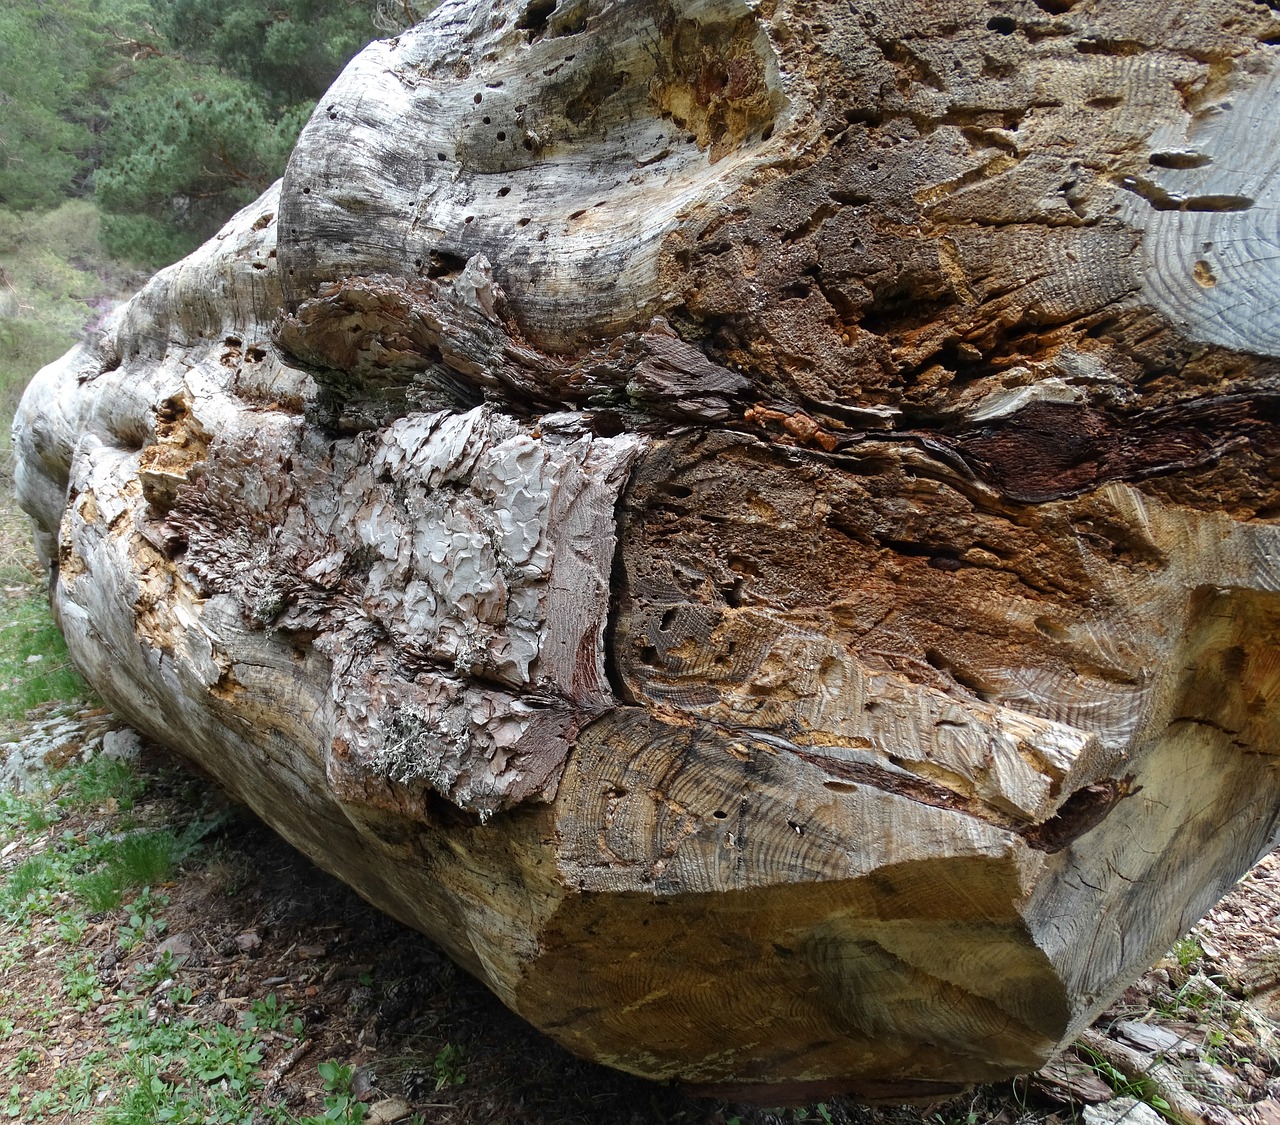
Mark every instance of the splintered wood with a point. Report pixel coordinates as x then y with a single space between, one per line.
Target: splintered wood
752 526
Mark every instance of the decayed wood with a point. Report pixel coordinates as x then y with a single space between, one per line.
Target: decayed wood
753 526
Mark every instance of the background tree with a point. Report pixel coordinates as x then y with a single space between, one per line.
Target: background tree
290 51
168 113
206 119
189 145
131 129
50 61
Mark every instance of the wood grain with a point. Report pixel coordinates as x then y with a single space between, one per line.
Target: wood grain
753 526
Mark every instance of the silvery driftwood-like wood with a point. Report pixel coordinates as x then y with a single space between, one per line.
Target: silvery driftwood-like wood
751 524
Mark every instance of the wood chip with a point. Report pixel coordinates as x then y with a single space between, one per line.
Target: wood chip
388 1111
1072 1081
286 1064
1267 1112
1152 1037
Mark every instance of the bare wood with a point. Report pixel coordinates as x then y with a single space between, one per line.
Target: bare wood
1152 1075
755 528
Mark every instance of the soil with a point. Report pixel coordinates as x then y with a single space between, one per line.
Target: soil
250 916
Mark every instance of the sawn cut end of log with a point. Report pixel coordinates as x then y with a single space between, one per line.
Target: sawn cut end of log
753 526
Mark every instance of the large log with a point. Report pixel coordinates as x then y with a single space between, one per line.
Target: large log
752 525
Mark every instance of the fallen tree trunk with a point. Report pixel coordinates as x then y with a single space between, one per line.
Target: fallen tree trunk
753 527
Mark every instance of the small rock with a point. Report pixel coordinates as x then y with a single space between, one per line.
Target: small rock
388 1111
362 1083
248 941
123 745
1218 1076
178 946
1122 1111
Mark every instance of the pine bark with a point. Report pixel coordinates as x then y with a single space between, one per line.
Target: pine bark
752 525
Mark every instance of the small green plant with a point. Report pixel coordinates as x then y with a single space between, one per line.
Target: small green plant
228 1056
446 1067
81 982
147 858
40 1102
1122 1085
146 1098
143 925
23 1061
32 887
71 928
36 818
1187 951
136 859
100 890
160 970
98 782
28 878
339 1102
268 1014
1211 1048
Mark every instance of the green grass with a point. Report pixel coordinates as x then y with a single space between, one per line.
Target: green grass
180 1069
35 667
139 859
55 276
30 887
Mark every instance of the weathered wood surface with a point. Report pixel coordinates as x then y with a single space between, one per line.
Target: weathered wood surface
754 526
